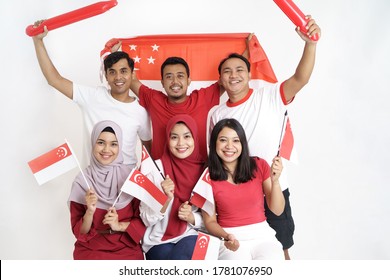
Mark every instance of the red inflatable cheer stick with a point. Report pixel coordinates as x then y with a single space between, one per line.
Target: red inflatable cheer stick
295 15
71 17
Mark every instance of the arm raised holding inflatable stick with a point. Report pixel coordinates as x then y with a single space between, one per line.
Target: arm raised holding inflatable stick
306 65
71 17
297 17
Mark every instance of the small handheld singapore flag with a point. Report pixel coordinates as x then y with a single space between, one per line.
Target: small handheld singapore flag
206 247
148 165
287 150
53 164
139 186
202 194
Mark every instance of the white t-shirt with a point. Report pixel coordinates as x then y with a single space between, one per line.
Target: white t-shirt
261 116
97 104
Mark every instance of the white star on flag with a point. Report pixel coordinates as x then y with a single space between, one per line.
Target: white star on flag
137 59
197 49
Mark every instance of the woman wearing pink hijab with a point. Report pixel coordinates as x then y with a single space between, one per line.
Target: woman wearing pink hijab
171 233
101 230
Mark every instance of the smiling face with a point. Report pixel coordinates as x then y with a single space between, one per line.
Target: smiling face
175 81
181 143
228 146
235 77
119 77
106 148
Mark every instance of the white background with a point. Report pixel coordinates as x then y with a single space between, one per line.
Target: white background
340 190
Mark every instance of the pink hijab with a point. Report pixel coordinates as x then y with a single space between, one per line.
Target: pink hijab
183 172
106 180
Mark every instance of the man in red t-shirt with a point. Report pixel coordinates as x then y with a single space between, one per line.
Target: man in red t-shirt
175 78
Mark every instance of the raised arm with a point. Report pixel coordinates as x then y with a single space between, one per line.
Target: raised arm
135 84
305 66
48 69
272 191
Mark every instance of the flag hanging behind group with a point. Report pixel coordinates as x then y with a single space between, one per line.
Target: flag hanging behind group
203 53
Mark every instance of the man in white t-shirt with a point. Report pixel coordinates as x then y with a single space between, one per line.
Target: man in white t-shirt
99 103
261 112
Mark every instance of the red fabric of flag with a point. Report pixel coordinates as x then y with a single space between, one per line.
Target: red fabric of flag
286 147
203 53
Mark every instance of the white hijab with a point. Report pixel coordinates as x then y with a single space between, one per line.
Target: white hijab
106 180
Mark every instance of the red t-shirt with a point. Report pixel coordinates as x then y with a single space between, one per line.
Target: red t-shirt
119 246
197 105
243 204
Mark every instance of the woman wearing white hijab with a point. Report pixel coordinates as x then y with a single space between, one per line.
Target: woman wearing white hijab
102 231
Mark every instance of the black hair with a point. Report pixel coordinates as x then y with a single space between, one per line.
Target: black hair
234 55
108 129
114 57
175 60
246 165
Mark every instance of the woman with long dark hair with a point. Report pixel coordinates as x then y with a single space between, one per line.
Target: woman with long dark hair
240 183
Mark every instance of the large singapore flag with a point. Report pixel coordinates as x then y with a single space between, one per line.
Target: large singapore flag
53 163
203 53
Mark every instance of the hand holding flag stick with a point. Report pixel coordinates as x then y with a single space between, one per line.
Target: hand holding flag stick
71 17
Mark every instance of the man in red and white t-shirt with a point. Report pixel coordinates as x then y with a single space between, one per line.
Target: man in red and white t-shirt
261 112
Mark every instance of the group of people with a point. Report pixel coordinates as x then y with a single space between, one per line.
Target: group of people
252 214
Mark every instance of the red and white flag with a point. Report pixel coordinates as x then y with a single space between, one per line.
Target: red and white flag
202 194
139 186
206 247
53 164
148 166
203 53
287 150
